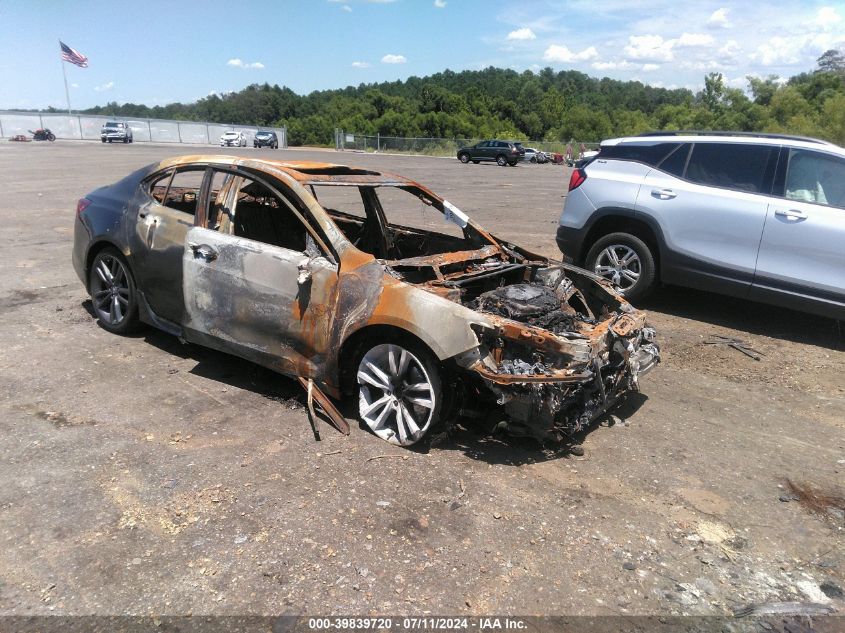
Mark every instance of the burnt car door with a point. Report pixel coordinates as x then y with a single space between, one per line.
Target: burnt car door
168 204
258 282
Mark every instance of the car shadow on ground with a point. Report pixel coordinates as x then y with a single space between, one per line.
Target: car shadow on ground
747 316
479 440
476 438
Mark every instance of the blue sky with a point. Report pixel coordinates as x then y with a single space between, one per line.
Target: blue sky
156 52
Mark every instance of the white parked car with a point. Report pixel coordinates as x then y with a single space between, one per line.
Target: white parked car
233 139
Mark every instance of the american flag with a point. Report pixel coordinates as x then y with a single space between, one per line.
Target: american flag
72 56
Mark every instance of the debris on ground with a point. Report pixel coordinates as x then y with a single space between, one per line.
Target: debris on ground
737 344
829 506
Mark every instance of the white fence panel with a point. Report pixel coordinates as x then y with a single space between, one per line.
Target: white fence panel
87 127
164 131
20 124
193 133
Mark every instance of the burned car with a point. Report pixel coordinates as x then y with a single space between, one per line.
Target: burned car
367 284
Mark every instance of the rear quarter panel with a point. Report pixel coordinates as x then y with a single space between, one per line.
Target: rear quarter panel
609 184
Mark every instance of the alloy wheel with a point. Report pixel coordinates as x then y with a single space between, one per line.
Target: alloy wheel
620 264
110 290
396 394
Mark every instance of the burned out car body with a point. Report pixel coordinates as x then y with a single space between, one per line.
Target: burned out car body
255 258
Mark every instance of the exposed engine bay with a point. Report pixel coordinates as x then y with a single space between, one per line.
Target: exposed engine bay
559 346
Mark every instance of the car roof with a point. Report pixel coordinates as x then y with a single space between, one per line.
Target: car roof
728 137
306 172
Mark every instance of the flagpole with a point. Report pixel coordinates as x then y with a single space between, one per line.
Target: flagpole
64 74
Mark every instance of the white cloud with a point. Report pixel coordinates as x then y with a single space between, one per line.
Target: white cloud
649 48
74 85
650 67
562 54
239 63
105 87
393 59
360 64
719 19
778 50
440 4
347 8
522 34
729 52
623 65
694 39
827 17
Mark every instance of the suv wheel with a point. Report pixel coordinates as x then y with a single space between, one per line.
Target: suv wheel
624 260
464 158
501 160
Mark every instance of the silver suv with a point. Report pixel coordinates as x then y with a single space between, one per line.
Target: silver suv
116 131
755 216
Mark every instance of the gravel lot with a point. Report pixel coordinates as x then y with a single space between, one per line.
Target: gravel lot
142 476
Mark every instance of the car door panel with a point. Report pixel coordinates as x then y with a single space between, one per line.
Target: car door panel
711 235
264 303
157 246
712 214
802 253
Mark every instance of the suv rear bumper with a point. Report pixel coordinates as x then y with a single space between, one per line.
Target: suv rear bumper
569 241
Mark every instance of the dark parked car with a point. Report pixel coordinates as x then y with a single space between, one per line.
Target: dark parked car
266 139
502 152
368 285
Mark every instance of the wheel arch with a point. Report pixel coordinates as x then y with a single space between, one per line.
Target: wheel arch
356 341
625 221
99 245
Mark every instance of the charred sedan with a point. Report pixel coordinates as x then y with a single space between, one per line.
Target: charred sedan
368 283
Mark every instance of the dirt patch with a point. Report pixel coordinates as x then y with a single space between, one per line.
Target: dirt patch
56 418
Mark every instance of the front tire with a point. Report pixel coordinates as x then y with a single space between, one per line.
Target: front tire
626 261
399 391
464 158
113 293
501 160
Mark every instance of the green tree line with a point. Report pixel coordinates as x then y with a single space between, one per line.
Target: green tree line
546 105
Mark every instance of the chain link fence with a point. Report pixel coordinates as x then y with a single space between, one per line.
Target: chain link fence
444 146
87 127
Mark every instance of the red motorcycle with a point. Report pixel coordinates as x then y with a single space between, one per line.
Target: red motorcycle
43 135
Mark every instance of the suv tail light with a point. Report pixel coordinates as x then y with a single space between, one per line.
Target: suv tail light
578 176
514 150
82 205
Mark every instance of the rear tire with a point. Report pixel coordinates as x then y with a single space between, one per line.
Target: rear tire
501 160
113 293
626 261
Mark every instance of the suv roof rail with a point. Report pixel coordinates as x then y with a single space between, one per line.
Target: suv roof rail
785 137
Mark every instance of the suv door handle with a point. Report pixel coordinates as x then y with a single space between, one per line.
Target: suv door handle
203 250
663 194
792 214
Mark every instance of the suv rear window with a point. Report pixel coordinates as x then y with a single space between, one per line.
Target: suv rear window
648 153
729 165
